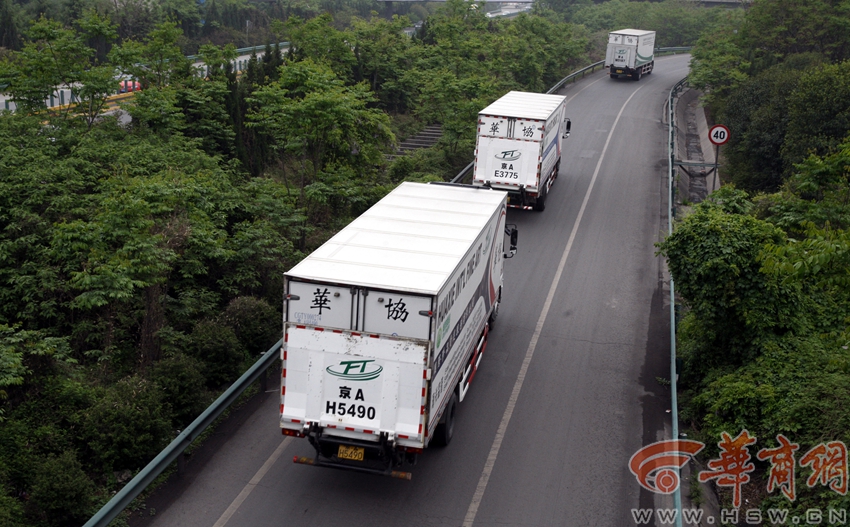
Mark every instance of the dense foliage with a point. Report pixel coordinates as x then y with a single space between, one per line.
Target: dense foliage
775 77
765 273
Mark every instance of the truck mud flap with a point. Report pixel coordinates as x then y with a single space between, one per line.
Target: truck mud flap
364 456
518 200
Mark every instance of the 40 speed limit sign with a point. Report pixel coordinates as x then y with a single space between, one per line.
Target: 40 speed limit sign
718 134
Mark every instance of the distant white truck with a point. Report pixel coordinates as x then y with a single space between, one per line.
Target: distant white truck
518 148
386 323
630 53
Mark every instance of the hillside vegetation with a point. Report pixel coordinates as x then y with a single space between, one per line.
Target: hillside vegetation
764 264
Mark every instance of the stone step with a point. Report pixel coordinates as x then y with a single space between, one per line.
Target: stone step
427 138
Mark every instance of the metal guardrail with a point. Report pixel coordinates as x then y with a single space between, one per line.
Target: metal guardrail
575 75
144 478
671 163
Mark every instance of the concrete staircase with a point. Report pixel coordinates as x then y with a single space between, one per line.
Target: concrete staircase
424 139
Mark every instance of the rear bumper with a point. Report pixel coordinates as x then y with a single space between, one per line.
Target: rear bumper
379 457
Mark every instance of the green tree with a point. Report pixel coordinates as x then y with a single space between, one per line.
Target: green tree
714 258
318 41
10 33
775 29
62 493
318 123
128 424
381 54
57 58
718 65
818 113
757 114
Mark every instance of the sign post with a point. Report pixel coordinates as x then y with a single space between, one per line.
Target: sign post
718 135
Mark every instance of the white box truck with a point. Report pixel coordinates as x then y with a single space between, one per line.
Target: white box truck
518 148
386 323
630 53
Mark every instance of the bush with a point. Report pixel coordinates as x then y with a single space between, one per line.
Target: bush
181 380
128 425
255 323
217 346
62 494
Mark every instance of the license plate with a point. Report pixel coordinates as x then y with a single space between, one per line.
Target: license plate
619 71
354 453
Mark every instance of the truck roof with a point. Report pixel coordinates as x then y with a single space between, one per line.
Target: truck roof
524 105
631 32
411 240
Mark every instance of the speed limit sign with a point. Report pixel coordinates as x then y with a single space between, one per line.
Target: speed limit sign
718 134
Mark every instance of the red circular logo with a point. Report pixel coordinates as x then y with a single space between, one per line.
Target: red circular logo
666 481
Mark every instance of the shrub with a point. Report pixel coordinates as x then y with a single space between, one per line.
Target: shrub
181 380
256 324
221 352
128 425
62 493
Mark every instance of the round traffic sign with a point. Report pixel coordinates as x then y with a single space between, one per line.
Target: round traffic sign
718 134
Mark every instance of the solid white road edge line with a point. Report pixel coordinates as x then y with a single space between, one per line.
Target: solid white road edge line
231 510
509 410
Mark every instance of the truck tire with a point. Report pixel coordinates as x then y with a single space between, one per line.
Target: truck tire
540 202
446 429
637 74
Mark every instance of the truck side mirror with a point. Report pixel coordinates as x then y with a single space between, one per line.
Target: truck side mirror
567 126
511 231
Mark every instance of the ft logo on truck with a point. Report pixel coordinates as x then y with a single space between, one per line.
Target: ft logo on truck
361 373
508 155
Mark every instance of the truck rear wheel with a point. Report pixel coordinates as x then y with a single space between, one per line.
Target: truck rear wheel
637 74
540 202
446 429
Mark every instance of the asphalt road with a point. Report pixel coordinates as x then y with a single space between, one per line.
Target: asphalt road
566 393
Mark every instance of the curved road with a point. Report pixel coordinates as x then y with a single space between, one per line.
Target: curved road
567 391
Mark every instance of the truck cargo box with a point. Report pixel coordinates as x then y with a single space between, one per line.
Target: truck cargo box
630 53
518 148
385 325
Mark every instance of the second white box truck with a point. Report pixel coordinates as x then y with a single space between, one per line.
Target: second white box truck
630 53
386 323
518 148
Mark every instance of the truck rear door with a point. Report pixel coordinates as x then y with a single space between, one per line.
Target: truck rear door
622 54
354 384
508 152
